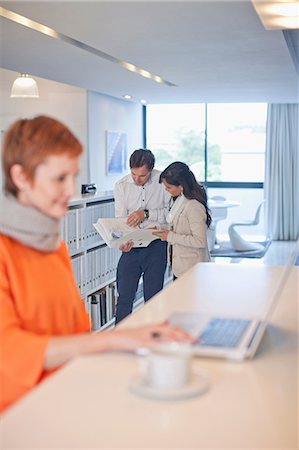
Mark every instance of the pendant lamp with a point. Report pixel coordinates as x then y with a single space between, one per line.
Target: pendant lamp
25 87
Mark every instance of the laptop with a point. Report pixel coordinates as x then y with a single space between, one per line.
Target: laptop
221 337
235 338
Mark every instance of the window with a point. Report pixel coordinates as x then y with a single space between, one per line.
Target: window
177 133
236 142
222 143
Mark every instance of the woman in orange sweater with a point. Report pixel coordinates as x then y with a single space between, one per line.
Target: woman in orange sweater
43 319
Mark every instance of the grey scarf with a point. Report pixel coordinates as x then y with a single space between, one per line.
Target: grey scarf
28 225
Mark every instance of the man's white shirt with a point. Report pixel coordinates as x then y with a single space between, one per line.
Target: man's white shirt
152 196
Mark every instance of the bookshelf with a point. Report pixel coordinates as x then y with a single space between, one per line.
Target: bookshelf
94 263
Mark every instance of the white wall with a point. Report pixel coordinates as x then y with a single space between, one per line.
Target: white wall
63 102
108 114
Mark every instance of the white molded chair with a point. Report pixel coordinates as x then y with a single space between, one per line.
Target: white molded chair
237 242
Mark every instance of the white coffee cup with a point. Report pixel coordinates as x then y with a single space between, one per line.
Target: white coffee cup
168 366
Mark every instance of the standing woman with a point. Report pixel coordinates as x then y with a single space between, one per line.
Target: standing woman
43 319
188 218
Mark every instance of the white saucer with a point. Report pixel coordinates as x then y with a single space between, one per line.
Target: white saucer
197 385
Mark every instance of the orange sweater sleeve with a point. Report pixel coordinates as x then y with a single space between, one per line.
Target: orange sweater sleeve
38 299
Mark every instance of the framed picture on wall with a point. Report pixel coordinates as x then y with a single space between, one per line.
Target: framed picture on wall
116 153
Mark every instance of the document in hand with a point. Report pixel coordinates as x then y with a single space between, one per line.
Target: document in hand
116 232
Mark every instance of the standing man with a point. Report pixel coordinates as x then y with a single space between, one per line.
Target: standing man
141 198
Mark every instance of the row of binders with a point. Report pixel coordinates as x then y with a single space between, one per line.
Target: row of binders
95 268
101 306
77 228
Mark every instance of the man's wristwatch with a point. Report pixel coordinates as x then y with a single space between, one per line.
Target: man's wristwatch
146 213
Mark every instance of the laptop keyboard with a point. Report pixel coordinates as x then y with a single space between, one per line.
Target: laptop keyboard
223 332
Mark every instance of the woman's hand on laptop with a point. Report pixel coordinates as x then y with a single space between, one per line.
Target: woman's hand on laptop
147 336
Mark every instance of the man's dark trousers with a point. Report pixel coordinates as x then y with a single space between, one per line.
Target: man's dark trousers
148 261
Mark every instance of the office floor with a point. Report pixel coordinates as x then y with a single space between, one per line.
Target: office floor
279 253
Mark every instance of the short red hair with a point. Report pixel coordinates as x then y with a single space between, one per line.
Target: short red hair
29 142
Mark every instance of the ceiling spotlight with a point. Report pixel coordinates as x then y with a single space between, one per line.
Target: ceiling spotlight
127 96
24 87
143 101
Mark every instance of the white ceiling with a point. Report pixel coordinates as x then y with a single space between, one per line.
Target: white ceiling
214 51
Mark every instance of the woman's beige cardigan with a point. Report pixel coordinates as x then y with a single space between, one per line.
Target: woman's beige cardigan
189 237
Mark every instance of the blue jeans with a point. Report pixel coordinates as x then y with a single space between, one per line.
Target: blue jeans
148 261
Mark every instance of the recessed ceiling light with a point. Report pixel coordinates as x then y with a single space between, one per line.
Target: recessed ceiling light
281 15
286 22
127 96
143 101
284 9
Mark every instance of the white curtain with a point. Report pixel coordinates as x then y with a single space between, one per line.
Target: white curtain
282 172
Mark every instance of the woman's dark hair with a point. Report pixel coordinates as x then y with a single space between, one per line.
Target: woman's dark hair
142 157
179 174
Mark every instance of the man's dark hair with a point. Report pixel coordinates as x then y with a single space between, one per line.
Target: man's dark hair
142 157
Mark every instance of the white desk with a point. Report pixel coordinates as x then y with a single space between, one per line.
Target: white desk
218 212
250 405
